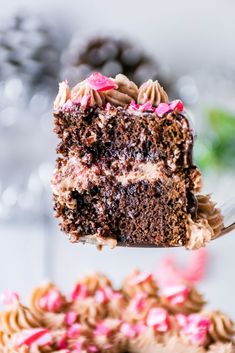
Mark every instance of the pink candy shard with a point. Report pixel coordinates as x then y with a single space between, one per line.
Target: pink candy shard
39 336
162 109
141 278
100 83
9 298
138 303
176 295
103 295
170 274
196 328
177 105
92 348
158 318
70 318
74 331
102 330
52 301
128 330
141 107
79 292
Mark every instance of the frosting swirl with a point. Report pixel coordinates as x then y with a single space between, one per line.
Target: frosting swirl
89 311
83 90
124 94
95 281
221 328
207 210
63 95
17 318
199 233
192 304
151 91
137 282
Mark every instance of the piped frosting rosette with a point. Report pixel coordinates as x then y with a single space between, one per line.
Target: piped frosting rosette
138 282
48 304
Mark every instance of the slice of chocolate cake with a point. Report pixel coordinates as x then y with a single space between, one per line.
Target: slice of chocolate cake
125 173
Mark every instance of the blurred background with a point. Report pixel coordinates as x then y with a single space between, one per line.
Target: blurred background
187 46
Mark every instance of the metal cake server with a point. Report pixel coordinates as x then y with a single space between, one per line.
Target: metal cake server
227 210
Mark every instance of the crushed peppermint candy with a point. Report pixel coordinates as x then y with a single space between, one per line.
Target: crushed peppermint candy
52 301
102 330
70 318
80 292
100 83
158 318
176 295
141 278
195 327
74 331
141 107
9 298
38 336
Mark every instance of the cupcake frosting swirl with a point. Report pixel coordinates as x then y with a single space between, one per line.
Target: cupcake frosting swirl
124 94
221 328
151 91
194 302
207 210
17 318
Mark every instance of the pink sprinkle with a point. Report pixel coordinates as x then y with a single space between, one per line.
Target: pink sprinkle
77 347
74 331
128 330
177 105
85 99
102 330
52 301
108 107
79 292
70 318
62 344
100 82
139 327
162 109
138 303
134 106
141 278
169 272
29 337
8 297
146 106
196 328
103 295
92 348
158 318
141 107
68 105
176 295
181 319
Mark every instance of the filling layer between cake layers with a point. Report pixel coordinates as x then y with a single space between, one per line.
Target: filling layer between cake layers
126 175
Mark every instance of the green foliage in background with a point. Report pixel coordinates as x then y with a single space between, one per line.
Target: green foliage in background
215 149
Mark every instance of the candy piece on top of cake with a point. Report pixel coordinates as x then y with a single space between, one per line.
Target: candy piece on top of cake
125 174
97 318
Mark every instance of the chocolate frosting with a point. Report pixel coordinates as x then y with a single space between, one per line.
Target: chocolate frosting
221 328
124 94
151 91
208 210
17 318
193 304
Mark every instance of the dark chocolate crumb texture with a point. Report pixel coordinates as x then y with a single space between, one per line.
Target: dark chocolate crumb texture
125 174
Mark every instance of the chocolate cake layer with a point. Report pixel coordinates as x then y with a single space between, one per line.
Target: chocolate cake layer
100 134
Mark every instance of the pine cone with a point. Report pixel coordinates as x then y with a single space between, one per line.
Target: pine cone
110 56
28 51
